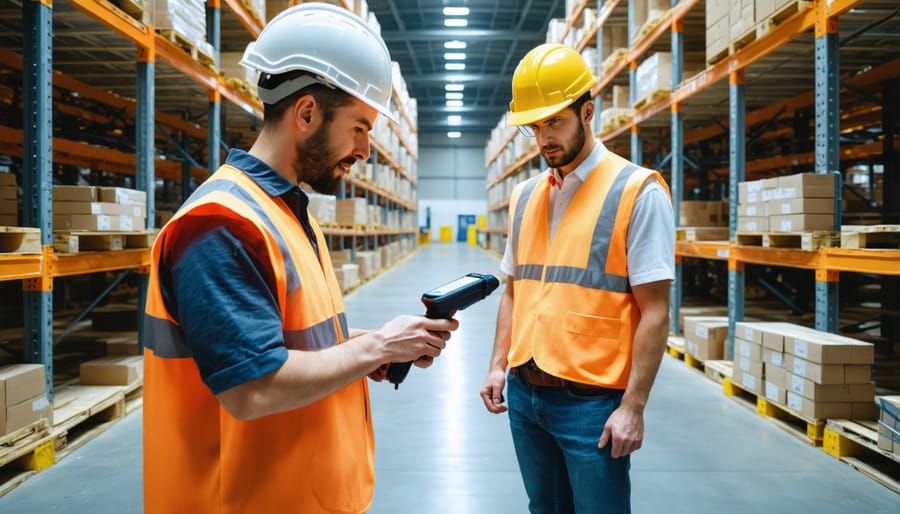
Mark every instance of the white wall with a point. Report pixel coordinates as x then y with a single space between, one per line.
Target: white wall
452 179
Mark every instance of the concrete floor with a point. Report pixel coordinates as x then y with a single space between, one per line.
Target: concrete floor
440 452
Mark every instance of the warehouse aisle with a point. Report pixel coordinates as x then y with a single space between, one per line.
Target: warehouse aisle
440 452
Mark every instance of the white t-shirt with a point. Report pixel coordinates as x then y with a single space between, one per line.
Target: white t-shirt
650 243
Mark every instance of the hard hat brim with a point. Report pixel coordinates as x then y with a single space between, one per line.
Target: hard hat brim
514 119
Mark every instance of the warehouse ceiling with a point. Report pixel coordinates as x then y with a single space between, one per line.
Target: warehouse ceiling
497 35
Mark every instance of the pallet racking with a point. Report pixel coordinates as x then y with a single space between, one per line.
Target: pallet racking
773 73
162 112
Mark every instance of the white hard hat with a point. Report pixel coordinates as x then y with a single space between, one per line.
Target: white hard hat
332 43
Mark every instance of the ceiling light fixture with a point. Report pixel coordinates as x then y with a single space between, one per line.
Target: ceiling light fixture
454 120
453 134
454 66
456 11
455 45
455 56
454 87
454 103
453 96
456 22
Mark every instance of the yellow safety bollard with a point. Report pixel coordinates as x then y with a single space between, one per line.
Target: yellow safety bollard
446 233
472 235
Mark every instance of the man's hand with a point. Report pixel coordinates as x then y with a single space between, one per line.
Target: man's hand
492 392
625 428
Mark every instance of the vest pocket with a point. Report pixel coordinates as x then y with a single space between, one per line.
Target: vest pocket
593 326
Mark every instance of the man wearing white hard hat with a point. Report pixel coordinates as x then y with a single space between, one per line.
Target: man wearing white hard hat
255 390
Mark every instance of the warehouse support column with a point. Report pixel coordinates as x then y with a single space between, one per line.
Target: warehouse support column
827 148
213 32
677 185
635 130
145 177
890 285
37 174
737 163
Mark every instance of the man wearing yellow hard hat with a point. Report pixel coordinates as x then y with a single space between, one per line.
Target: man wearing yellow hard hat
583 321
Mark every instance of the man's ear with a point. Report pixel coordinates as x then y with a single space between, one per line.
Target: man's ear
588 111
303 110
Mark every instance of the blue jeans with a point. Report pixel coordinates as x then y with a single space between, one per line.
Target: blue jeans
555 432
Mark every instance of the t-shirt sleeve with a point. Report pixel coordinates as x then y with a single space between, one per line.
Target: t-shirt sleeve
216 280
651 237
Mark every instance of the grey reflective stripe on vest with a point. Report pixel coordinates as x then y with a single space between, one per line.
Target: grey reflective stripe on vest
342 319
164 338
527 189
317 337
595 276
292 278
529 272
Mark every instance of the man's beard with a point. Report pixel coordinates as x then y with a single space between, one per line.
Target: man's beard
315 163
568 155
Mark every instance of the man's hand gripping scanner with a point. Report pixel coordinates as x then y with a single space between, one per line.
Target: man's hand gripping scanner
442 302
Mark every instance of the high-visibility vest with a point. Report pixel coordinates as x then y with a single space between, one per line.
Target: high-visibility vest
197 457
573 311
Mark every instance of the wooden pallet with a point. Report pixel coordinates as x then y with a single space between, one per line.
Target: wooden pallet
187 45
654 17
81 413
808 241
675 347
856 443
138 9
693 234
718 371
75 242
870 236
24 453
614 58
20 240
808 430
653 97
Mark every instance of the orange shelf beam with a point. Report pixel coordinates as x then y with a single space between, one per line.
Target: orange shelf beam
110 16
63 265
576 13
17 266
703 250
602 16
882 262
247 19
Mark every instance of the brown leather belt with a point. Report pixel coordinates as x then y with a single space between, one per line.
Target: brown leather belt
531 373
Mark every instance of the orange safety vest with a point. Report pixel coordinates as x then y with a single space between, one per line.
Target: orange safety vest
573 311
197 457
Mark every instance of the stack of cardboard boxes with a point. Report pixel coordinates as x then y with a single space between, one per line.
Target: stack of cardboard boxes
727 22
618 112
23 397
112 370
817 374
654 76
347 273
187 18
705 337
352 211
323 208
793 203
9 204
99 208
702 213
615 44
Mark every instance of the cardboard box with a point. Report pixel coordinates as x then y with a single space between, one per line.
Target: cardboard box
741 17
9 208
762 331
753 224
620 97
704 337
19 382
323 208
111 370
25 413
800 206
703 214
753 209
74 194
340 257
751 367
351 211
748 350
654 74
826 348
9 193
716 35
748 381
615 37
9 220
801 222
818 373
819 410
7 179
763 9
830 392
772 357
96 222
122 195
777 375
808 185
111 209
775 393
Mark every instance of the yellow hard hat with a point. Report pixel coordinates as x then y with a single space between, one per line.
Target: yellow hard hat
548 79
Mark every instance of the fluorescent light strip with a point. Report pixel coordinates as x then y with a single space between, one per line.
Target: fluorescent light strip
454 103
456 11
454 66
455 56
456 22
455 45
453 96
454 134
454 87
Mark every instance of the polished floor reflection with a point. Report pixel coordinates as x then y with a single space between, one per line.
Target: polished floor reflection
440 452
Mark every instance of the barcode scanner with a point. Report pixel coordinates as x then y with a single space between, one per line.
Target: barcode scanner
441 302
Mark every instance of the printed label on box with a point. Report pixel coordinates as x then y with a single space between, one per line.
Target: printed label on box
801 349
800 367
796 384
701 332
749 382
794 401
